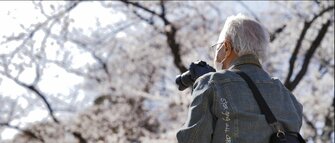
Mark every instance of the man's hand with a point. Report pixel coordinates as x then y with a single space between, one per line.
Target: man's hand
196 70
199 68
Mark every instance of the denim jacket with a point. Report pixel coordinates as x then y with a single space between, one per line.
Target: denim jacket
223 109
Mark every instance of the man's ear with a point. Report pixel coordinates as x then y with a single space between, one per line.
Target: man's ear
228 48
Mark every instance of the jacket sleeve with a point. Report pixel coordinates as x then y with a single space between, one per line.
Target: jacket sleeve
200 123
298 107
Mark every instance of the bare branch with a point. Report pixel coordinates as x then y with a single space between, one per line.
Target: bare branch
309 54
310 124
94 55
162 8
296 50
250 11
274 34
79 137
37 92
170 31
26 132
150 21
33 88
136 4
317 2
322 12
293 58
329 124
38 26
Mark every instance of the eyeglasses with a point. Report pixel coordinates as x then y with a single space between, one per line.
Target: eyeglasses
215 47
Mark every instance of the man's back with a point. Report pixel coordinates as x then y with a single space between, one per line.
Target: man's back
233 114
240 115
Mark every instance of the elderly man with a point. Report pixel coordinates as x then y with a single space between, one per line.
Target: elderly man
223 109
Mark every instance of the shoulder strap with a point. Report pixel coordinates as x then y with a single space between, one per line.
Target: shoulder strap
270 118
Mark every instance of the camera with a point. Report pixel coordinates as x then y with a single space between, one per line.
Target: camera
195 70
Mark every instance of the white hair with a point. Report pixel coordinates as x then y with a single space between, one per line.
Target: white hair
247 35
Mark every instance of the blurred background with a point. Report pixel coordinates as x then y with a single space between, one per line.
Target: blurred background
104 71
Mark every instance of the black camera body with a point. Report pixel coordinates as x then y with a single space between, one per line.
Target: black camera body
195 70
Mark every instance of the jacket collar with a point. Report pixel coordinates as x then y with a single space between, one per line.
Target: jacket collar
245 59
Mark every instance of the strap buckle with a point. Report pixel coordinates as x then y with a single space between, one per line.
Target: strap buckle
277 127
280 134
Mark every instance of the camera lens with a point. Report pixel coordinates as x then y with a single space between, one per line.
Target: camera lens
185 80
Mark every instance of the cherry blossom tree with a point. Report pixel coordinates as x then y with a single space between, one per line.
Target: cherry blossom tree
122 66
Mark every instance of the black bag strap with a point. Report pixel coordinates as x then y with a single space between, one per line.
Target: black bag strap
270 118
